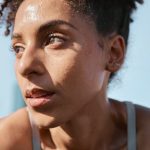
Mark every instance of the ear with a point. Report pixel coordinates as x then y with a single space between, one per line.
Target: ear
116 53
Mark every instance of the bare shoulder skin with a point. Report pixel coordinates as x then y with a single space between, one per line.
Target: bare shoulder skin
15 131
142 122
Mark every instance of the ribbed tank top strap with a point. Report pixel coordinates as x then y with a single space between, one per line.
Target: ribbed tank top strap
131 127
35 134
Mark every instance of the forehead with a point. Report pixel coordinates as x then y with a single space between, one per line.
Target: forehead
32 11
34 14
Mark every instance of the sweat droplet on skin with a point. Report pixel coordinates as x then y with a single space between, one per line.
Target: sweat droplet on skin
32 12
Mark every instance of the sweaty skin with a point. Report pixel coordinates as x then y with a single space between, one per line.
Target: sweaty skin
60 52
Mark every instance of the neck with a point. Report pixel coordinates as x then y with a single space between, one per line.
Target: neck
87 130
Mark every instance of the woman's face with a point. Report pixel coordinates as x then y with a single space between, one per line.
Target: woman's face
60 65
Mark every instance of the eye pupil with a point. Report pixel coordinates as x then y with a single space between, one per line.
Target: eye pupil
18 49
54 40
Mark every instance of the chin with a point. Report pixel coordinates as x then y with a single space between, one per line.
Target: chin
45 122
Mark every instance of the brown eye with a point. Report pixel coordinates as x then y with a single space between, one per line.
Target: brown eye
18 50
55 40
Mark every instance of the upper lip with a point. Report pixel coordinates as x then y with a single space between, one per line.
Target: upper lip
37 93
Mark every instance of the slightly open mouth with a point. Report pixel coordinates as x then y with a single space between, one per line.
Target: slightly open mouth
40 101
38 97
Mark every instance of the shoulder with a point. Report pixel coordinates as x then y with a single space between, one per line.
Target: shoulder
142 122
15 131
143 126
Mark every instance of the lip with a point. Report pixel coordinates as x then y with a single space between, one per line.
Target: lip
38 97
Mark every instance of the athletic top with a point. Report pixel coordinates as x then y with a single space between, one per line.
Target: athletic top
131 129
35 134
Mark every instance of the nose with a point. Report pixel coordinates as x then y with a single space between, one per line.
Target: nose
31 62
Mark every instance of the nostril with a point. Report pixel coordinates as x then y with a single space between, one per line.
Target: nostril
31 63
30 68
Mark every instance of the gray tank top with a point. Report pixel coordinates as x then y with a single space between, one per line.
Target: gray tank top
131 129
35 134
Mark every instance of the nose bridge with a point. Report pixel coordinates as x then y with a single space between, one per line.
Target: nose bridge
30 62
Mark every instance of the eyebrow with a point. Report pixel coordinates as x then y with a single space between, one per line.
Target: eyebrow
54 23
16 36
47 25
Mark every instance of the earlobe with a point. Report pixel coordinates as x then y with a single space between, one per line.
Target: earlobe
116 53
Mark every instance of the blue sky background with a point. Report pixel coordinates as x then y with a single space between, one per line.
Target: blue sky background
134 79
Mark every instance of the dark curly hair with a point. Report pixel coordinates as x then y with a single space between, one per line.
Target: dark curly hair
109 15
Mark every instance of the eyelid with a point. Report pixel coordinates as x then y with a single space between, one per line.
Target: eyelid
58 34
55 35
17 42
17 45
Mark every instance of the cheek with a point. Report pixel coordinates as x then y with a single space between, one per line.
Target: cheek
18 77
16 72
61 68
76 74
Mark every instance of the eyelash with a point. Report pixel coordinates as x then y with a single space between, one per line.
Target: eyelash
15 49
61 39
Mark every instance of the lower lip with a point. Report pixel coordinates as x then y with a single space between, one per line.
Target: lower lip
41 101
